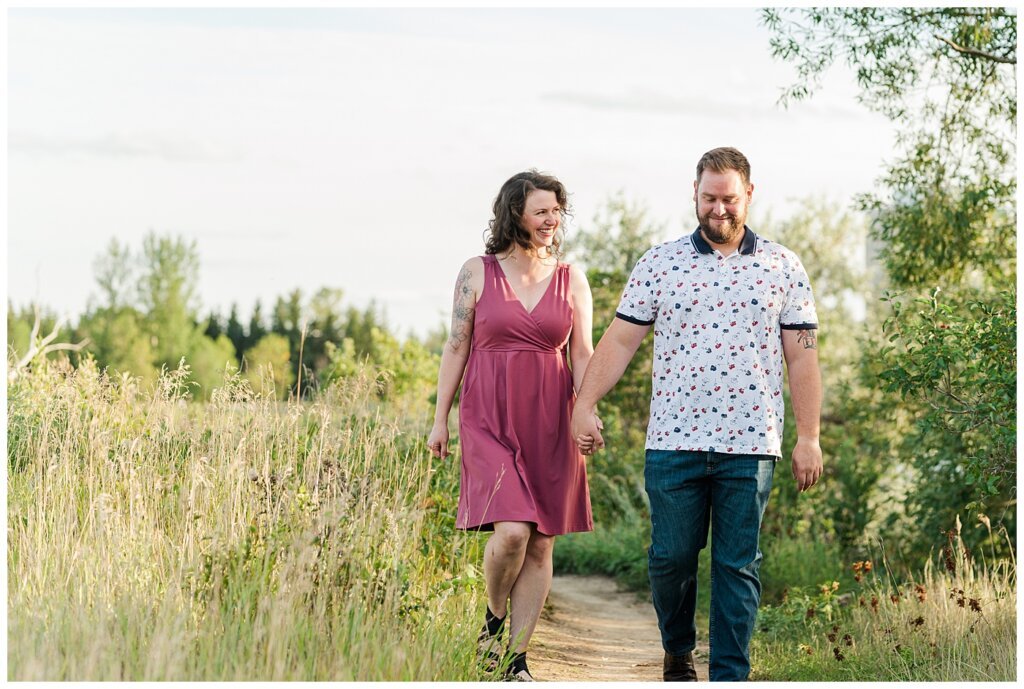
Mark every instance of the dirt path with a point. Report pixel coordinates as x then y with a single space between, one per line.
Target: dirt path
592 631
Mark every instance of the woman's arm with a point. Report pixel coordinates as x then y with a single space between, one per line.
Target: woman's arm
581 340
468 286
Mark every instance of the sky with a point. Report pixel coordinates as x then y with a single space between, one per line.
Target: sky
362 149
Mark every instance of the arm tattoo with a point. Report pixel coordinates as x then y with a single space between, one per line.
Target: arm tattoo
463 310
808 338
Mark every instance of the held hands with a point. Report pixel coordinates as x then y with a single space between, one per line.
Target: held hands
437 441
806 463
586 431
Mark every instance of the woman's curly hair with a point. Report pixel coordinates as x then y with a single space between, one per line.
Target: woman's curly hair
506 226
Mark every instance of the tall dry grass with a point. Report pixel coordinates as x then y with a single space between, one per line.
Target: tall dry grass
242 539
956 621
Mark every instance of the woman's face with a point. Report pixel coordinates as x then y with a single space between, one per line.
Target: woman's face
541 217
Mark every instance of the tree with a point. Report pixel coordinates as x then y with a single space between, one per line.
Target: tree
268 366
167 295
120 342
257 328
287 320
947 77
236 331
208 361
115 276
945 220
119 337
214 326
325 325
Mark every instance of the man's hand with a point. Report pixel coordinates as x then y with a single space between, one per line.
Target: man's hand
806 463
586 430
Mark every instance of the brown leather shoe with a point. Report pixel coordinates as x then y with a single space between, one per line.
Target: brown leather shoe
679 668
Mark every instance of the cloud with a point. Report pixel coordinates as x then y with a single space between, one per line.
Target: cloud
660 103
160 145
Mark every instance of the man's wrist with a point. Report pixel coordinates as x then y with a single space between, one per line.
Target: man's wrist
808 438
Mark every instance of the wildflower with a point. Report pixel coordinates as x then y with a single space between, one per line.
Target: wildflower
874 604
947 554
809 614
860 568
861 602
806 649
922 593
838 654
975 605
831 636
895 598
917 622
847 639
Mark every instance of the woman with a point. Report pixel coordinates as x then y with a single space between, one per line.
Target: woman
516 311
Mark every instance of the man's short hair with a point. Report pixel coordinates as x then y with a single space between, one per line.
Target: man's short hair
722 160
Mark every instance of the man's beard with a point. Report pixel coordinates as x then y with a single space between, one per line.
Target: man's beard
727 231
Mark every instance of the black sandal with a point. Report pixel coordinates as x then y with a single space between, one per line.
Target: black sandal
517 670
489 641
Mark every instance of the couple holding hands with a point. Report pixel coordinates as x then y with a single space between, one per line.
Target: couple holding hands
727 306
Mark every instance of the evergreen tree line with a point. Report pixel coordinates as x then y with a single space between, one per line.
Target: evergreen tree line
146 317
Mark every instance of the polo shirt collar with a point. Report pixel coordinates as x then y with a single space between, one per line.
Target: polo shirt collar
747 244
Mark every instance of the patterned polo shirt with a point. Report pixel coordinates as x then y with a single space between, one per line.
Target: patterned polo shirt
718 321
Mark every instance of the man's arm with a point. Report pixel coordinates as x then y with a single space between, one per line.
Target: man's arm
611 356
800 347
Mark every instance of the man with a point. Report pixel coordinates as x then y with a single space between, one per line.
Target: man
726 306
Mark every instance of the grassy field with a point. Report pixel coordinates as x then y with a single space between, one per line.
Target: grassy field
957 621
151 538
240 539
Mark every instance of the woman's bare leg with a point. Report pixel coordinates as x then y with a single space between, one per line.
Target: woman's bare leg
531 588
503 559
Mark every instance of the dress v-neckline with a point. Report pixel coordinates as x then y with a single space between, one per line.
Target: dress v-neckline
508 282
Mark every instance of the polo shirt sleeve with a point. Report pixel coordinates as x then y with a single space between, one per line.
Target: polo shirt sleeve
638 304
798 311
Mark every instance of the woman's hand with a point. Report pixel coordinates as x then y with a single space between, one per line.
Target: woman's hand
437 441
586 442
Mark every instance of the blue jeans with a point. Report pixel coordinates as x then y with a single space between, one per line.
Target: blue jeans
688 492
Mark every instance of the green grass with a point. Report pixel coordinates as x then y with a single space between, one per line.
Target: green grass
155 539
953 624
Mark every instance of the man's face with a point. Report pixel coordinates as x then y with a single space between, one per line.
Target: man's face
721 201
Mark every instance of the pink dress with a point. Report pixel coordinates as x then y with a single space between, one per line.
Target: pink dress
519 461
